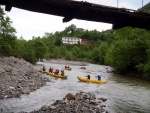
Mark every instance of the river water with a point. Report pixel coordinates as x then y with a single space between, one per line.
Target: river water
124 95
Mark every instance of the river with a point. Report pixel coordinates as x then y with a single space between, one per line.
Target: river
124 94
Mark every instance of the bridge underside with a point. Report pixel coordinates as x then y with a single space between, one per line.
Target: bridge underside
69 9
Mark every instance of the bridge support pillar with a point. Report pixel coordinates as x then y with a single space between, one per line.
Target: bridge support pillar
9 5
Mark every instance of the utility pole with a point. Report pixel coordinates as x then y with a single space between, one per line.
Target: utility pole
117 3
142 3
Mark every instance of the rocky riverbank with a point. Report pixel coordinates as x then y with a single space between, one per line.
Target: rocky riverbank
18 77
81 102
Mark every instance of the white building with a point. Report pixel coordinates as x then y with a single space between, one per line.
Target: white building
71 40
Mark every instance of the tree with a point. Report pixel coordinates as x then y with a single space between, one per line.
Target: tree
7 35
40 49
58 41
102 52
57 52
70 31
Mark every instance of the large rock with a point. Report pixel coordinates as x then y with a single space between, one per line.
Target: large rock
26 91
44 108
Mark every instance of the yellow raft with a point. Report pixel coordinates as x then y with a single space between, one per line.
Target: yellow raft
69 69
44 72
83 79
58 76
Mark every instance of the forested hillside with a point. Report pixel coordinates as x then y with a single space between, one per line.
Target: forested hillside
126 49
146 8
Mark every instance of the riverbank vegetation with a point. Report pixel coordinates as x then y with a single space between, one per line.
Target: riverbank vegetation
127 49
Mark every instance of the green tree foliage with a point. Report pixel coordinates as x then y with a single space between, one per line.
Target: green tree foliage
57 53
76 51
70 31
69 56
121 56
58 41
108 58
102 52
146 8
29 53
20 48
95 56
129 51
7 35
40 49
63 51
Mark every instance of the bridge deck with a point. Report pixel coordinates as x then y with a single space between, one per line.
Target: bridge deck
70 9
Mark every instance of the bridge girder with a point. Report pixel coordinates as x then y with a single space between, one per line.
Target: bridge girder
69 9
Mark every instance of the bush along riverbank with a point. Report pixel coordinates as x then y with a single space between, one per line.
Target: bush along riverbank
18 77
81 102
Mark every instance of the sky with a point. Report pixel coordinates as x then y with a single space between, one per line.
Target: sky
29 24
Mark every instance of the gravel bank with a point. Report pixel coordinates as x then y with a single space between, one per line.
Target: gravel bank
18 77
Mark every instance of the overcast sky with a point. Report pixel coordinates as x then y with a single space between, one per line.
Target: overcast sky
28 24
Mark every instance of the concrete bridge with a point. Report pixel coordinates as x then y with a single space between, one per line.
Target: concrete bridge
69 9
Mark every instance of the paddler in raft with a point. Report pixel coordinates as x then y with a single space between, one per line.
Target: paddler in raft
51 70
88 76
56 71
98 77
62 72
44 69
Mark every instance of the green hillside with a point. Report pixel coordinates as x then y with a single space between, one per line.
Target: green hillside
146 8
